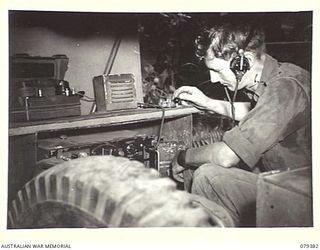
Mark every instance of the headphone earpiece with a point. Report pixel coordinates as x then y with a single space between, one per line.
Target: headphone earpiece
239 65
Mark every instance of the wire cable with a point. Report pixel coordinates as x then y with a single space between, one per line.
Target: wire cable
232 101
162 119
84 97
161 127
231 106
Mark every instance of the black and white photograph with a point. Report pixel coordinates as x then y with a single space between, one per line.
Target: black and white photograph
148 120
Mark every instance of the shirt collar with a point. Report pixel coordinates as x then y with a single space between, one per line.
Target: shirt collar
270 70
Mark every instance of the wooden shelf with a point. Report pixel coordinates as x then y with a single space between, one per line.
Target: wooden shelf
111 118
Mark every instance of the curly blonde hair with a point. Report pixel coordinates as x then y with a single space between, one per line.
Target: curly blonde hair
225 40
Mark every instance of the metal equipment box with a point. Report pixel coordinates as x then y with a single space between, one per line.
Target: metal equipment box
37 90
284 199
115 92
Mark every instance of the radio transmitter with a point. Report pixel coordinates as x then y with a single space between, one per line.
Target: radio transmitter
146 149
37 90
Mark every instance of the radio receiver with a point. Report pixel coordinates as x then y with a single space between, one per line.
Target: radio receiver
38 90
115 92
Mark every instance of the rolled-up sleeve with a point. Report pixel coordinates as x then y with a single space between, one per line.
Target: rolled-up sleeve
244 148
281 109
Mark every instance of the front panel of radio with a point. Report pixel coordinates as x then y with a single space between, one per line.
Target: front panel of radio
146 149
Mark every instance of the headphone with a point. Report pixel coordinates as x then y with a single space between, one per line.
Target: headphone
239 65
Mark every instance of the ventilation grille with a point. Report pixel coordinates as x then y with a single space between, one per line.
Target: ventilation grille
120 91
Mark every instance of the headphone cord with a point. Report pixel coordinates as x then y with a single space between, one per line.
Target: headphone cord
240 74
231 101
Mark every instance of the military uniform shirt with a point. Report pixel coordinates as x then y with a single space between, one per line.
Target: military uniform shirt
278 129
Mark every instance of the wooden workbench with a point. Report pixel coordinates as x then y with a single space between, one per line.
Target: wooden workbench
25 136
112 118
